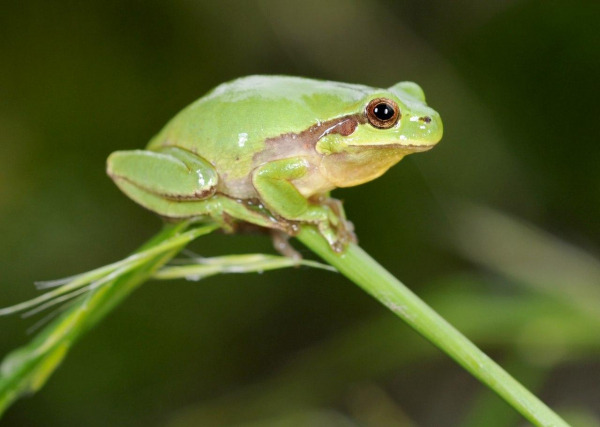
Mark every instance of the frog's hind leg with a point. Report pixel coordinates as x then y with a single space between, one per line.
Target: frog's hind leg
178 184
170 173
217 207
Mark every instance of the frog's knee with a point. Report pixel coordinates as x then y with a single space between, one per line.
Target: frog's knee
169 175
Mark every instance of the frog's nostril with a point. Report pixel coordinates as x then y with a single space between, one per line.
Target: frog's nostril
425 119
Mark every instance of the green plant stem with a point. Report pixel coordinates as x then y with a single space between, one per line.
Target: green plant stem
364 271
26 369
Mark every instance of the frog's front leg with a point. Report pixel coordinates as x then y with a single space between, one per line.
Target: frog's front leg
274 183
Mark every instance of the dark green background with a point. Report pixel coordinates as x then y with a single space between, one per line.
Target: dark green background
517 86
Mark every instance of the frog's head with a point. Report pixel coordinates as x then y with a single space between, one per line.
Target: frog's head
386 126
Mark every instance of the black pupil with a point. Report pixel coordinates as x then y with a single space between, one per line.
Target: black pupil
383 111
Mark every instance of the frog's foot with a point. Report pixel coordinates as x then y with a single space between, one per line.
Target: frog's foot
337 236
344 227
281 243
344 236
337 231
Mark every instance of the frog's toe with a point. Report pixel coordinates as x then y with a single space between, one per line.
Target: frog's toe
281 243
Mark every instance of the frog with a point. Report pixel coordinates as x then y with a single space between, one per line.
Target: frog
266 151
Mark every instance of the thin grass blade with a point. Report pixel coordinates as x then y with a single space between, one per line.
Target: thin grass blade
26 369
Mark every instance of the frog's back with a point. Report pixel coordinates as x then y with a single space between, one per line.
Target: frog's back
231 123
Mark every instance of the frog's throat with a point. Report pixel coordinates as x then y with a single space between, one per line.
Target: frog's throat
361 164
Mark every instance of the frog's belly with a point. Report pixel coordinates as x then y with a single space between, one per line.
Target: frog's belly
312 183
238 188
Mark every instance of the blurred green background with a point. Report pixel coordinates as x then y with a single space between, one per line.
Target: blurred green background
478 227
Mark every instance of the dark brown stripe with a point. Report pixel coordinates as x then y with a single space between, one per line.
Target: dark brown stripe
290 144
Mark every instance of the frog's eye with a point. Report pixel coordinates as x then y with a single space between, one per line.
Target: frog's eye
383 113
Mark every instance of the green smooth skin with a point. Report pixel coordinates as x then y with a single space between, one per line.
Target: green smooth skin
267 150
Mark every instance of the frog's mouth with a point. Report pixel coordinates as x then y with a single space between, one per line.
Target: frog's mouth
409 148
419 148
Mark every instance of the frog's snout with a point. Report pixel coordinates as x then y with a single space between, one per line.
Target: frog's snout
433 126
424 127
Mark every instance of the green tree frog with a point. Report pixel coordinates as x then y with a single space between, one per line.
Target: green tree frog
267 150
